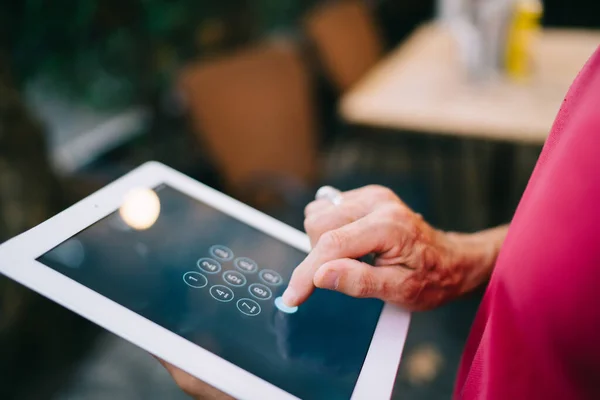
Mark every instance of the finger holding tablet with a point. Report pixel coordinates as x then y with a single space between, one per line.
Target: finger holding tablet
191 385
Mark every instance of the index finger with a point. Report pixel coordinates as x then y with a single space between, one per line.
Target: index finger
350 241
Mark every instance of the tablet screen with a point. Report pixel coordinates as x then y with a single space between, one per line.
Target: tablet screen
213 280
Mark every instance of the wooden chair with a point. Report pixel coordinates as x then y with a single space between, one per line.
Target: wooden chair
346 39
253 110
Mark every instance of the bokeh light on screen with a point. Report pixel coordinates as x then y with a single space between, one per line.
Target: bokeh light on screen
140 209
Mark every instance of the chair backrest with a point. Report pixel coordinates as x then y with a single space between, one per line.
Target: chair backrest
254 112
346 39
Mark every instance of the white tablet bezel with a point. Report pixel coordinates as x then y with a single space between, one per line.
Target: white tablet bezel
18 262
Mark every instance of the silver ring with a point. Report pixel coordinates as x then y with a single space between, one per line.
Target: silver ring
329 193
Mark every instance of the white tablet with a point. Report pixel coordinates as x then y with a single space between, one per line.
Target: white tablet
193 276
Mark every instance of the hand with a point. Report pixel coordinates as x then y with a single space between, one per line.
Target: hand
417 266
193 386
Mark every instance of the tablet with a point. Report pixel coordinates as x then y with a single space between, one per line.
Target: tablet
195 277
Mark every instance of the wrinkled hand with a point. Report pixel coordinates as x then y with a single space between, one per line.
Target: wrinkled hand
417 266
193 386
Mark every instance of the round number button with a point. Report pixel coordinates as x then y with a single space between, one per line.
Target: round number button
248 307
234 278
221 293
246 265
209 265
270 277
221 252
195 280
260 291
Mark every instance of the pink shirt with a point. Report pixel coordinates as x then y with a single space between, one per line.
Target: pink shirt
537 333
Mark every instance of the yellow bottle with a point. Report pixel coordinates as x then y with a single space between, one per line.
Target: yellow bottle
523 29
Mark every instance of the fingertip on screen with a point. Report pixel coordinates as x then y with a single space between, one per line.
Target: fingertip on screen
281 306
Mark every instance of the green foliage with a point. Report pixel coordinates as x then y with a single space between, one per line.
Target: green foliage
114 52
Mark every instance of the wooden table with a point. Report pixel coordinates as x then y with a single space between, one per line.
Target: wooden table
421 87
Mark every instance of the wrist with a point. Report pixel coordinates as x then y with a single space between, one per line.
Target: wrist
474 254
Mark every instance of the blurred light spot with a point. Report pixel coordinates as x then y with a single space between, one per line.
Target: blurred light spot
424 364
70 254
141 249
118 223
141 208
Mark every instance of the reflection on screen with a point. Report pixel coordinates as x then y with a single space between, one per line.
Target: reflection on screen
213 280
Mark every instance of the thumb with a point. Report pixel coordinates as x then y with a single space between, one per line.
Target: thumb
358 279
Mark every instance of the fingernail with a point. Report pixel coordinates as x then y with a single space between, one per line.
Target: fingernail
290 298
330 280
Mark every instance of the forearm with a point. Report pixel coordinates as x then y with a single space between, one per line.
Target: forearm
476 254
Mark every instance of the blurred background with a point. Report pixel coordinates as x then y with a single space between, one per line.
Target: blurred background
448 103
